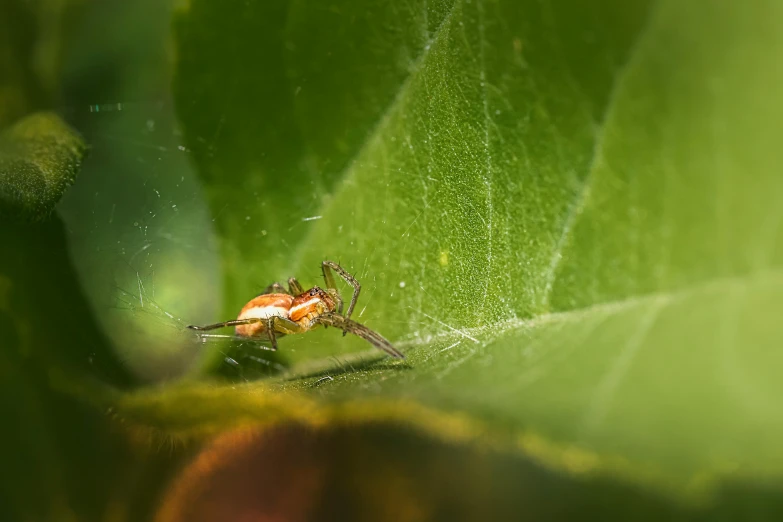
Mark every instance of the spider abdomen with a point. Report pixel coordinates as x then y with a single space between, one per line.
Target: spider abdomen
263 307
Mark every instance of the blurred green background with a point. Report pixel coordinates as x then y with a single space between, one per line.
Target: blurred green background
532 193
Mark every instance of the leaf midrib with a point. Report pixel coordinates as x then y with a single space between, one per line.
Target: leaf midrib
488 333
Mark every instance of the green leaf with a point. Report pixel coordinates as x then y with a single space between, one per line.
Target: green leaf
567 216
55 449
40 156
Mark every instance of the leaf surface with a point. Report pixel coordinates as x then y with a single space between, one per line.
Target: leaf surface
566 216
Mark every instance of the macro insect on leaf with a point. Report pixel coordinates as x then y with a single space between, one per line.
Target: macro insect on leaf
277 312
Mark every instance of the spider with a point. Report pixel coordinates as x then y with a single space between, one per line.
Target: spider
277 312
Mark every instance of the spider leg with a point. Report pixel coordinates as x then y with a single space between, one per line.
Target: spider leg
235 322
280 325
330 285
362 331
327 267
270 332
275 288
284 326
294 287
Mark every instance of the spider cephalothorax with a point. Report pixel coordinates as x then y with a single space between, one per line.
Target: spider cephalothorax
277 311
311 304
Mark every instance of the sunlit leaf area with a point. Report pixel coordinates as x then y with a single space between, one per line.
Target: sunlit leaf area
566 215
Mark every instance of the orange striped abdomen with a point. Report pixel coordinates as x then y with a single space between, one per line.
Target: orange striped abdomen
263 307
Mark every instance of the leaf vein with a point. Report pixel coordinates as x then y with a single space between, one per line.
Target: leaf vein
608 385
577 205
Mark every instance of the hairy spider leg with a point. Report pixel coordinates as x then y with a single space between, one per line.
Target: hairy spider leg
277 324
329 280
360 330
326 268
294 286
234 322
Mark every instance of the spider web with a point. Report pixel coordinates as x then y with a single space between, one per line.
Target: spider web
144 244
141 235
